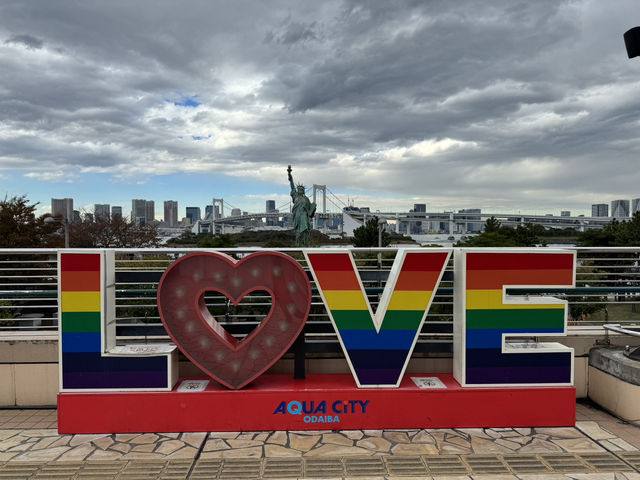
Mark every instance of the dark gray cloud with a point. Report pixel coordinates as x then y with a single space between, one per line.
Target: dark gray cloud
503 103
26 40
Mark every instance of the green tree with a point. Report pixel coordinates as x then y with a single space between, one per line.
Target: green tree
115 232
496 235
492 225
219 241
614 234
19 227
367 234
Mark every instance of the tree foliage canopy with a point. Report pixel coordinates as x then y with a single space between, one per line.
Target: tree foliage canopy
367 234
497 235
614 234
19 227
114 232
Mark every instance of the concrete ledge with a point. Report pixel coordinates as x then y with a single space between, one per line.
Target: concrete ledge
614 382
612 360
29 347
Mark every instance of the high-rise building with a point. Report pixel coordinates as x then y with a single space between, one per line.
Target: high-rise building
565 213
236 212
620 208
271 206
101 211
62 208
138 210
635 205
150 208
599 210
143 211
116 211
88 217
419 207
171 213
193 214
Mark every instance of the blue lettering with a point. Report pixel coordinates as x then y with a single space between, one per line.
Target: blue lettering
364 405
297 410
304 407
336 406
353 404
307 419
281 408
322 408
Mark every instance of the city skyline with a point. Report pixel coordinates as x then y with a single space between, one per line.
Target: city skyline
616 208
505 106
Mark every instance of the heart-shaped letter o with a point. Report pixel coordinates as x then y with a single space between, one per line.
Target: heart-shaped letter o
201 338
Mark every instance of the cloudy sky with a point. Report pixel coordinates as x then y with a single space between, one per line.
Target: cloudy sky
501 105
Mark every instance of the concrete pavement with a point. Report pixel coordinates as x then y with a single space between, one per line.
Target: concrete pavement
599 447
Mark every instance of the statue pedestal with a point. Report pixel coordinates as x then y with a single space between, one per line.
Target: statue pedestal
321 402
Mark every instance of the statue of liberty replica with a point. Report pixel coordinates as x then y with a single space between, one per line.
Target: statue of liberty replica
302 212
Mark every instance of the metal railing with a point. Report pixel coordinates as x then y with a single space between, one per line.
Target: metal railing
607 291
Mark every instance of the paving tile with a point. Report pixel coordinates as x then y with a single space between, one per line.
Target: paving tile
184 453
578 445
194 439
223 434
503 442
337 439
12 442
146 448
77 453
353 434
336 451
396 437
252 452
238 443
280 451
104 455
279 438
45 432
45 455
423 436
214 444
169 446
593 430
104 442
4 434
414 449
144 439
376 444
80 439
121 447
623 445
303 443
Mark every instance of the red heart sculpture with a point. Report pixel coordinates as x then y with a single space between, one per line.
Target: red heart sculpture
204 341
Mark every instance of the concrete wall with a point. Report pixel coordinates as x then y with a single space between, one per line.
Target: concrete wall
28 369
29 364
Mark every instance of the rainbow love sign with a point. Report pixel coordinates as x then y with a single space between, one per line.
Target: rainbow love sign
215 351
489 324
378 346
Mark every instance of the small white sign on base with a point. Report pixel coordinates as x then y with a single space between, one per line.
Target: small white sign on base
428 382
193 386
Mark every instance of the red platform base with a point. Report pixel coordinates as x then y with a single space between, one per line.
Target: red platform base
321 402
